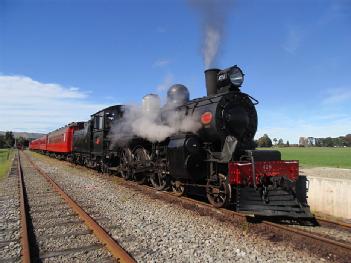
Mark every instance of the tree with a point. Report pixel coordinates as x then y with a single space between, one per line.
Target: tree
310 141
256 143
348 139
2 141
303 141
9 139
280 142
264 141
318 142
275 141
22 141
328 142
287 144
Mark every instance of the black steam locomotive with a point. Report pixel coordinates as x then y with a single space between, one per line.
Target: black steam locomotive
219 157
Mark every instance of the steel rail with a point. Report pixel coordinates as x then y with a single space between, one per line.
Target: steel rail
309 235
338 223
115 249
26 258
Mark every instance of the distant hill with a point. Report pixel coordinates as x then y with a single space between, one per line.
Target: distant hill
26 135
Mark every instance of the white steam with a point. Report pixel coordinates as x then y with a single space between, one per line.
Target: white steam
211 45
213 14
152 127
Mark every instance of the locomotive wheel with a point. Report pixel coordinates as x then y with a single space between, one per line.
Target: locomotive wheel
178 187
140 155
159 179
218 192
126 159
104 168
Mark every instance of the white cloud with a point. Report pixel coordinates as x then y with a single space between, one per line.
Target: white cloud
292 41
338 95
29 105
161 63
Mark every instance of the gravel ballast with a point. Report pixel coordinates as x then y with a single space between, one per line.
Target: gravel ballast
155 231
10 246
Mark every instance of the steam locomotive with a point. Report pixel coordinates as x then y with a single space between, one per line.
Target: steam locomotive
220 157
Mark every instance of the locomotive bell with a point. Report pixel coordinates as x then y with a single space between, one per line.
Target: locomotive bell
177 95
151 105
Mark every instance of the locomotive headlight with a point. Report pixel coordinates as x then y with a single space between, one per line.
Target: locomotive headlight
232 77
236 76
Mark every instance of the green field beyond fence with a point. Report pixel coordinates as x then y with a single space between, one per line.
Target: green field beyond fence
317 156
5 159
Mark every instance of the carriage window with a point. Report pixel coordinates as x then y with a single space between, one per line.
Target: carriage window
101 122
109 118
98 122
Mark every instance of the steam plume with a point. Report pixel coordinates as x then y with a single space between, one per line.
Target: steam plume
152 127
213 15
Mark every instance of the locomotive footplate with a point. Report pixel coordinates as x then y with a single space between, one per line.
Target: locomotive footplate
276 202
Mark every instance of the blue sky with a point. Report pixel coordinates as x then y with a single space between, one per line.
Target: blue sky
62 60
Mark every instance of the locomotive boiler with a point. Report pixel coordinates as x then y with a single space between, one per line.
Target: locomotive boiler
217 154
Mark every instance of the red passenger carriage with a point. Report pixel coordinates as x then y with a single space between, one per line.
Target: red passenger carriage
60 141
39 144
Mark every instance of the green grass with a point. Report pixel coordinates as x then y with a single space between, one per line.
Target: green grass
317 156
5 161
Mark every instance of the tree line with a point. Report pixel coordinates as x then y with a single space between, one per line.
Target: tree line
341 141
8 140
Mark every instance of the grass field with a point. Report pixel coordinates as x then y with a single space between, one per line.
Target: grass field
5 161
317 156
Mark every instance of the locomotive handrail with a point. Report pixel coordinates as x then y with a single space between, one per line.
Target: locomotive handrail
255 102
253 170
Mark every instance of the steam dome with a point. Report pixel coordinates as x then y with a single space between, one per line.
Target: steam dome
151 104
177 95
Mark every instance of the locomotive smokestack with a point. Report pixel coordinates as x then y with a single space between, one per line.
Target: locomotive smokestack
211 81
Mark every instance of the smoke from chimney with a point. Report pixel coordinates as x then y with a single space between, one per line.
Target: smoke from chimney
213 15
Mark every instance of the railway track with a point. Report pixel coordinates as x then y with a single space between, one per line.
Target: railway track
303 237
54 228
300 237
325 244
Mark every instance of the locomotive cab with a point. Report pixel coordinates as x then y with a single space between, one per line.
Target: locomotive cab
91 144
